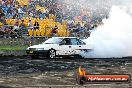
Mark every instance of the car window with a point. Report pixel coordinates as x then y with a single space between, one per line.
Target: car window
74 41
80 42
53 41
66 41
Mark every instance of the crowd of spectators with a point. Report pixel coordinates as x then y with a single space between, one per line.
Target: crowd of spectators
79 22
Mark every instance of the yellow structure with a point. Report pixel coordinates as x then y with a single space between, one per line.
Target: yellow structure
45 26
23 2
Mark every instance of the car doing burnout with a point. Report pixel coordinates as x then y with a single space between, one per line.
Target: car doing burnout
58 46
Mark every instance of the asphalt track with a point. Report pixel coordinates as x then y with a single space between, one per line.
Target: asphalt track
25 72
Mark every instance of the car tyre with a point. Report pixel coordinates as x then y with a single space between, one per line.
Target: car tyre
51 54
78 57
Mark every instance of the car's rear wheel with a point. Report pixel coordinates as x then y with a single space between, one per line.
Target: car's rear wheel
51 54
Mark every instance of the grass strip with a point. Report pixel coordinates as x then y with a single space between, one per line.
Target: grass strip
12 47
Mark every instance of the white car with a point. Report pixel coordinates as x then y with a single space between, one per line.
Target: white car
58 46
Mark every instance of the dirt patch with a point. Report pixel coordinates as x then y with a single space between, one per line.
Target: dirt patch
58 73
12 53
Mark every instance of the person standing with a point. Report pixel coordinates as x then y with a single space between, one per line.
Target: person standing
23 27
30 25
54 31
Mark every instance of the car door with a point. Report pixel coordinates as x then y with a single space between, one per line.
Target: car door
77 45
65 47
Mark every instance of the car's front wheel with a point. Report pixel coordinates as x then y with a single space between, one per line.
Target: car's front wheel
51 54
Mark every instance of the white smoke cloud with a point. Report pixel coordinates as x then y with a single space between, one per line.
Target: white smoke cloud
126 5
121 2
114 38
77 6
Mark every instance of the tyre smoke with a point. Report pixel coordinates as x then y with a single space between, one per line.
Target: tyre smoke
113 38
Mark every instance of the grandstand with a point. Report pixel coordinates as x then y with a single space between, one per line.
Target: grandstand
46 24
47 14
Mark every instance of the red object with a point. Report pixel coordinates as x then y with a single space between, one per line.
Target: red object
82 77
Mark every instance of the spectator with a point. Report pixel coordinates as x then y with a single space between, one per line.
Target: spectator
16 27
10 13
16 16
60 9
23 27
78 26
2 20
30 25
36 25
2 30
81 31
20 12
54 31
1 13
7 32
